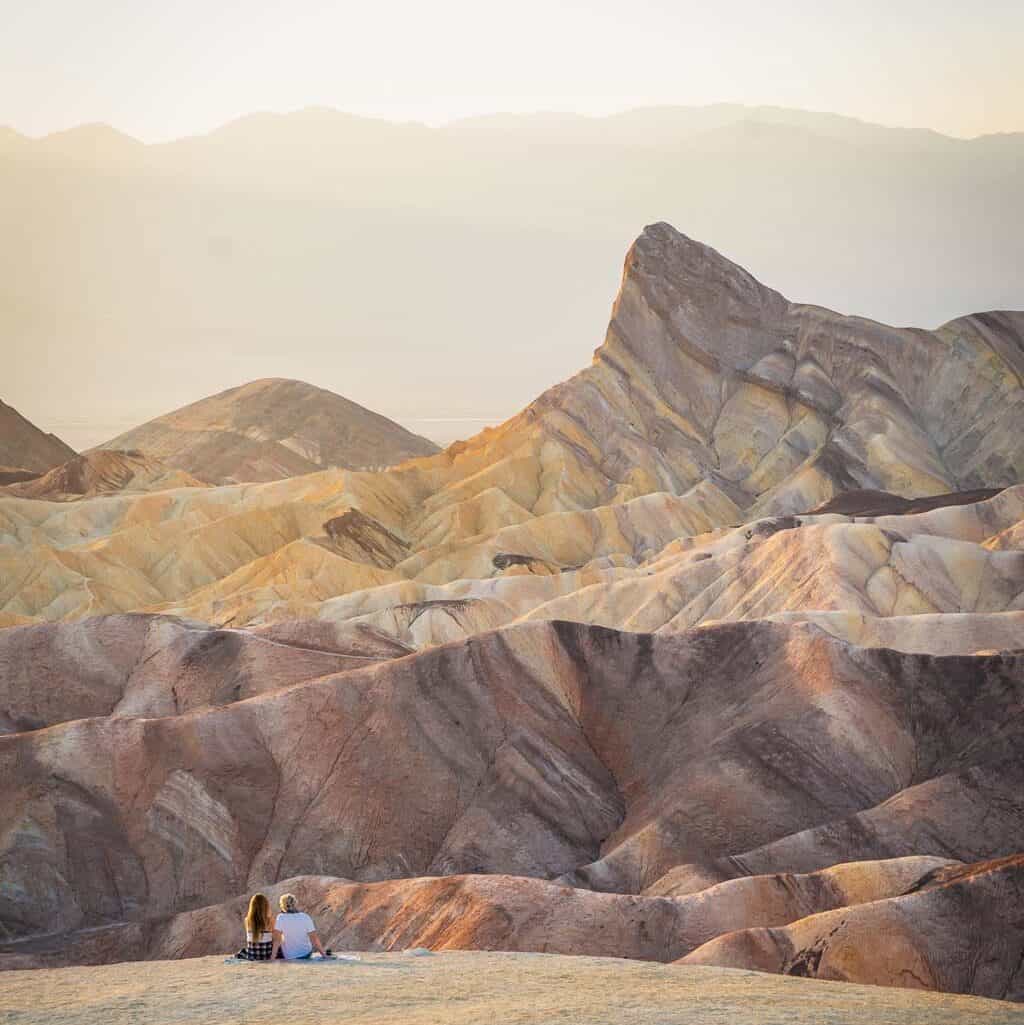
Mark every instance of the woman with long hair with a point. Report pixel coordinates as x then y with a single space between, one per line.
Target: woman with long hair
261 938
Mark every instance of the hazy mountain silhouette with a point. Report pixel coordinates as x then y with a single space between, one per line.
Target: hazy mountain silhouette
457 271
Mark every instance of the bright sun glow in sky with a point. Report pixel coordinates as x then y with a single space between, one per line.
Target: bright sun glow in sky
159 70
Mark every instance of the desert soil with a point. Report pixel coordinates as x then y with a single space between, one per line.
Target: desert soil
464 988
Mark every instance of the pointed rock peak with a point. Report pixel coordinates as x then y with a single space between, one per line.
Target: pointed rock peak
678 292
694 271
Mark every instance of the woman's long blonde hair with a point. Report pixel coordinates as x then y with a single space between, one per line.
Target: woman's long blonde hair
257 918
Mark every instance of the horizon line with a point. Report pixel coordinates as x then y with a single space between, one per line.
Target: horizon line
435 125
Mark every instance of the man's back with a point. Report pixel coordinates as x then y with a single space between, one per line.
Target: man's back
295 927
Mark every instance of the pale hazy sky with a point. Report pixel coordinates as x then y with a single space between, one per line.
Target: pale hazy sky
160 69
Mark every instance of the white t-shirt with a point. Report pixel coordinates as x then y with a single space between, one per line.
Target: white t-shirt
295 927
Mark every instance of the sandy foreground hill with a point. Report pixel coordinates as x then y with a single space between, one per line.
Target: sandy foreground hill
468 989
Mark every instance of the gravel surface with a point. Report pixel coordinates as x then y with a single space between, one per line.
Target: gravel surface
466 988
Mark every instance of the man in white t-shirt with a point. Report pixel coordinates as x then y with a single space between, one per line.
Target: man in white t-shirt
295 933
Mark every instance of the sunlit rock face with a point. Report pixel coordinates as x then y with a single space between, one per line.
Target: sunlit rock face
784 399
715 640
713 402
957 929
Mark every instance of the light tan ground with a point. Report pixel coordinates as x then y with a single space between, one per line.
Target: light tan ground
466 988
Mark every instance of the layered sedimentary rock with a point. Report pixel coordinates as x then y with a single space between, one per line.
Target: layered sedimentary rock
497 912
546 750
16 475
713 402
269 429
130 666
24 447
957 930
101 473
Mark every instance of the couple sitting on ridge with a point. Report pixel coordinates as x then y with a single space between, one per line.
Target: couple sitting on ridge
291 937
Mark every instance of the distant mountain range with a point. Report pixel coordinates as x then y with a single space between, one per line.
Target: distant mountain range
392 262
643 126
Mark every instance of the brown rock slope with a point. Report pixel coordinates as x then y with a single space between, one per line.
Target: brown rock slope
16 475
134 665
949 813
24 446
917 922
269 429
492 912
864 502
961 929
544 750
